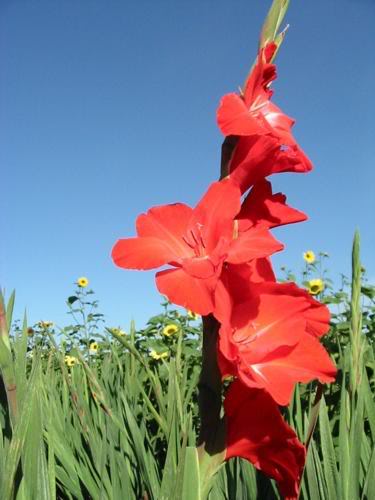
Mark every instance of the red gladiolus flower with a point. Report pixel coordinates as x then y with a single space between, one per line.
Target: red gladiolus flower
196 242
266 144
271 339
256 431
253 113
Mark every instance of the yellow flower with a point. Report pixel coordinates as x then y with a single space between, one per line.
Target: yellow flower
93 348
30 331
315 286
170 330
309 256
45 324
119 332
82 282
192 315
70 360
159 355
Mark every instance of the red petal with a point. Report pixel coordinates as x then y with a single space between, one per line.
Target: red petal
262 208
168 223
273 306
280 122
194 294
257 89
271 337
234 118
317 315
256 158
256 431
199 267
279 371
261 270
269 51
234 283
141 253
215 213
223 298
252 244
267 321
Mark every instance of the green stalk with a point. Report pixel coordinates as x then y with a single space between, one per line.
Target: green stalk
210 386
314 413
211 440
271 26
6 361
356 317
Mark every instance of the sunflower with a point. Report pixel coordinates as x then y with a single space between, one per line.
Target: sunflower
309 256
93 348
82 282
70 361
170 330
315 286
159 355
119 332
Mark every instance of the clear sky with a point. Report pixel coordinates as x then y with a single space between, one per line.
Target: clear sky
108 108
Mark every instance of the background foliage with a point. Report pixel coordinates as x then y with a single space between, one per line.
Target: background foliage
89 411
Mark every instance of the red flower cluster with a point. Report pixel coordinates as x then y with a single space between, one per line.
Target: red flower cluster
218 253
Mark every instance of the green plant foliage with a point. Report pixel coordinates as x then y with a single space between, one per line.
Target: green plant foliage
121 421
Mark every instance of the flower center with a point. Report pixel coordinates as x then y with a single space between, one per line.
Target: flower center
194 239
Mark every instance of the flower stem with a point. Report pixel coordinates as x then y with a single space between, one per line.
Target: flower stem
227 150
211 440
211 437
209 384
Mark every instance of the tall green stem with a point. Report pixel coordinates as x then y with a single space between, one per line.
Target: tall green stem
6 364
356 316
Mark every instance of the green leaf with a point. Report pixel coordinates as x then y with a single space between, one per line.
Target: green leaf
17 442
369 486
328 451
211 460
273 21
9 310
343 444
355 446
191 483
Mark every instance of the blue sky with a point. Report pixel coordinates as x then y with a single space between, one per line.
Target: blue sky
108 108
